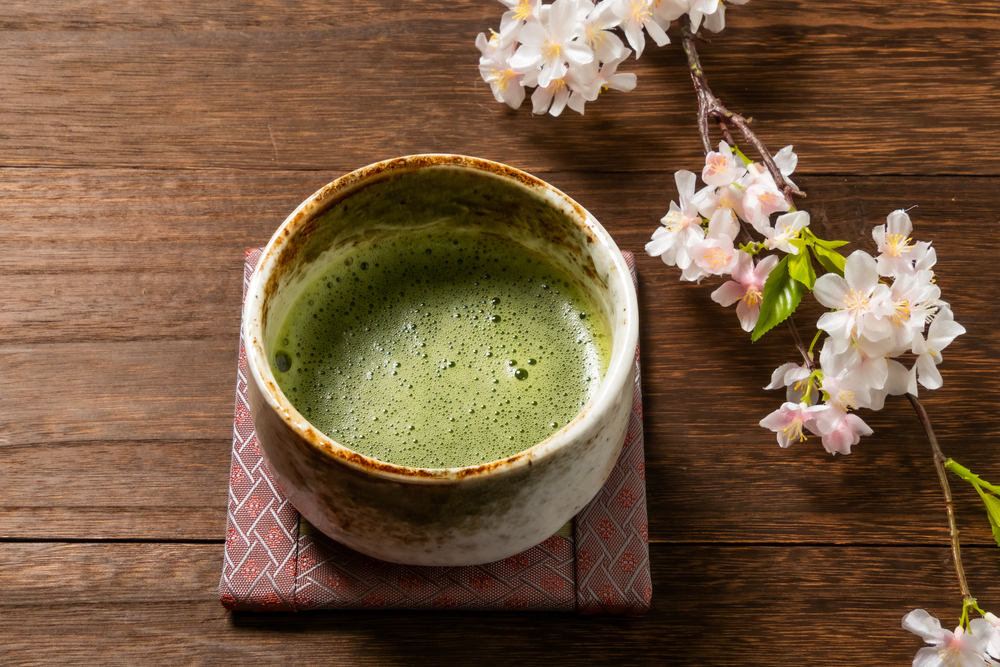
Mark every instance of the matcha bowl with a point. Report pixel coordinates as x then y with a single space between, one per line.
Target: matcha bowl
442 356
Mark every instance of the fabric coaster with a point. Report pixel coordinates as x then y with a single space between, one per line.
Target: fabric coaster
276 561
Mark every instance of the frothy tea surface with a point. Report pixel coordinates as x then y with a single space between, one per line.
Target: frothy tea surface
441 350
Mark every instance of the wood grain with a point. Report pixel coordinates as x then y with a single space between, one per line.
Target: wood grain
145 145
711 606
319 85
121 326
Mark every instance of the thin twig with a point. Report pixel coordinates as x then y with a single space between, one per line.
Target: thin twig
939 460
799 345
711 108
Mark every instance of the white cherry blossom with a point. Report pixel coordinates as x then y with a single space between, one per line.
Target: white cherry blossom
898 382
786 229
551 98
709 200
846 390
786 161
794 377
670 10
552 46
948 649
863 359
942 331
852 296
519 11
746 287
681 228
701 8
897 252
912 301
589 81
987 630
637 15
598 24
506 84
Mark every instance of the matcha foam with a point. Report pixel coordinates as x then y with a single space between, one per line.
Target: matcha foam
441 350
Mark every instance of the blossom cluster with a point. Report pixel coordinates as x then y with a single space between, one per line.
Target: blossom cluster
979 647
882 307
568 50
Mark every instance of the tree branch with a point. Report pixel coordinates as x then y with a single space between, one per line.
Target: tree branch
711 108
939 460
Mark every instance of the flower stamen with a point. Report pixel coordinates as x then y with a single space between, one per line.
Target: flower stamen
794 431
857 303
551 50
898 244
522 11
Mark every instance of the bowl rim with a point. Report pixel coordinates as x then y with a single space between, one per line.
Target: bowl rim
620 365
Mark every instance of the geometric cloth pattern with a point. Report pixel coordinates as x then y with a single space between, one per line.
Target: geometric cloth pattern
276 561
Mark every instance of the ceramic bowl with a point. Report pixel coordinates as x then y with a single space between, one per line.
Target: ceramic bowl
446 516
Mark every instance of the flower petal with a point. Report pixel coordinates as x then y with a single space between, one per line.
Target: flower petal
729 293
860 272
831 290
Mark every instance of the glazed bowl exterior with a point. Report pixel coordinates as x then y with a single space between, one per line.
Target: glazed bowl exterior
447 516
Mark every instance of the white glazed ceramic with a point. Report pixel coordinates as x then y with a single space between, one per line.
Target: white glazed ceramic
457 516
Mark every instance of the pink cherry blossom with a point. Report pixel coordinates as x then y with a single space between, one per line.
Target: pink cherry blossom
722 167
948 649
746 287
789 420
761 197
716 254
839 430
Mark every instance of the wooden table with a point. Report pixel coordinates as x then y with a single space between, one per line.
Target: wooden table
145 145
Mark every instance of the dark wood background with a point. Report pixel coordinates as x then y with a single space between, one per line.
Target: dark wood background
145 145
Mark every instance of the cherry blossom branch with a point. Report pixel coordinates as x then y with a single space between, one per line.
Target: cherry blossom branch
799 345
711 108
939 462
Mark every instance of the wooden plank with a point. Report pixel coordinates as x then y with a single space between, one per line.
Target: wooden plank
311 85
143 490
131 394
129 604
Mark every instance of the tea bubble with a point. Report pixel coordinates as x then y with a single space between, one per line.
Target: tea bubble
283 362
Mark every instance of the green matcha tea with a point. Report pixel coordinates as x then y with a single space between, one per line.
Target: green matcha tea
441 350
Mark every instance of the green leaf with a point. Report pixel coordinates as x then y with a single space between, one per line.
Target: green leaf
800 266
781 296
831 260
993 512
829 245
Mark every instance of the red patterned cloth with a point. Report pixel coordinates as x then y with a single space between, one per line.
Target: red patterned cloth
276 561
